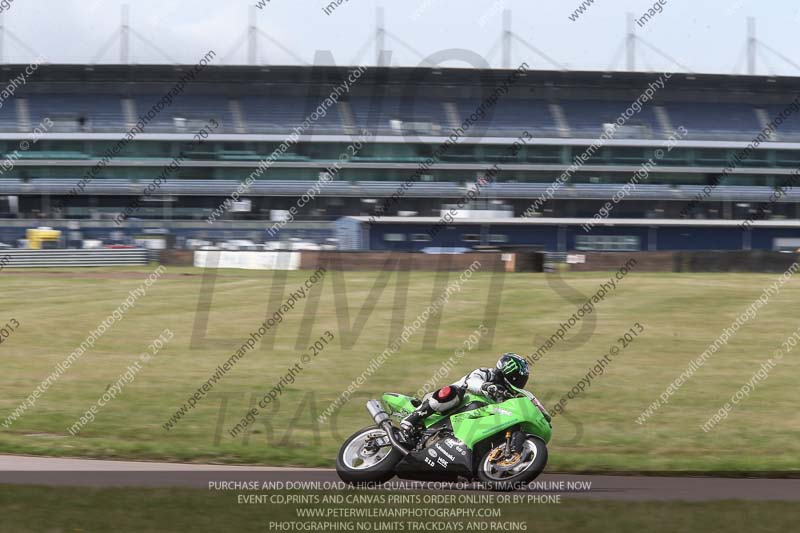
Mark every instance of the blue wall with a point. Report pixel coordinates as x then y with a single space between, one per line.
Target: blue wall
546 237
693 238
451 236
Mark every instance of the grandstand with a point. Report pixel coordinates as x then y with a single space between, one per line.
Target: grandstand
410 112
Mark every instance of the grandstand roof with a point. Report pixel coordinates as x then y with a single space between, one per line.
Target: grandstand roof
237 74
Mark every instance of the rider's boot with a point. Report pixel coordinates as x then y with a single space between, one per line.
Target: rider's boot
413 422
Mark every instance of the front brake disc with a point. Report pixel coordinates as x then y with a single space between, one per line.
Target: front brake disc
510 463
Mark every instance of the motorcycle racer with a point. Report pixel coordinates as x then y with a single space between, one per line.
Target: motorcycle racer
511 369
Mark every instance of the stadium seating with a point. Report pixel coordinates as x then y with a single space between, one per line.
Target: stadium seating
789 129
390 115
73 112
281 114
8 118
510 117
710 118
377 114
187 113
587 117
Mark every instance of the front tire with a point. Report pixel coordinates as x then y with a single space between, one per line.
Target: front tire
359 464
500 476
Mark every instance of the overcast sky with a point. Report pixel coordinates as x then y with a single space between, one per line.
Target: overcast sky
706 36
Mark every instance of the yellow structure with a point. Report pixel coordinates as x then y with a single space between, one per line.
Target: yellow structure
40 235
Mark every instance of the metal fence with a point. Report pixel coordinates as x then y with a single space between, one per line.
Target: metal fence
14 258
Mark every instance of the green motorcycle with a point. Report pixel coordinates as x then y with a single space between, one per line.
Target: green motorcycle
499 442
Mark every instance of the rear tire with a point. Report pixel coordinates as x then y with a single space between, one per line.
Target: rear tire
511 480
354 465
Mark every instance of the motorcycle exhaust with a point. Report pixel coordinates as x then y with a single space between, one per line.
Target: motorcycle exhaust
376 411
381 418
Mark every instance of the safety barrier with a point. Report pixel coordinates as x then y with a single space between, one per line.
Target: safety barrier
16 258
247 260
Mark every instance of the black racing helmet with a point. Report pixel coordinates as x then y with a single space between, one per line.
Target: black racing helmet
514 369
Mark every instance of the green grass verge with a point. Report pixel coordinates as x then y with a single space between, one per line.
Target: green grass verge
35 509
682 314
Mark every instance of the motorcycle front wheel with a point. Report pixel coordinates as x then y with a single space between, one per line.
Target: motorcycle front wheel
361 461
508 473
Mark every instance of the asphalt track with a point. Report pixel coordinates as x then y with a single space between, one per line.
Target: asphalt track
27 470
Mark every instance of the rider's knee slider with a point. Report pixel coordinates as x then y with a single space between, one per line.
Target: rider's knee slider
446 398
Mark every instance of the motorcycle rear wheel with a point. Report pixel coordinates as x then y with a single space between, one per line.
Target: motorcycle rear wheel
357 465
495 478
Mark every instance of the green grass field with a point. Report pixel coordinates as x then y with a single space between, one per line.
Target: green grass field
681 313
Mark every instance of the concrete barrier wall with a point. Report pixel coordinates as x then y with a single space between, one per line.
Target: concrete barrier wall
247 260
752 261
404 261
610 261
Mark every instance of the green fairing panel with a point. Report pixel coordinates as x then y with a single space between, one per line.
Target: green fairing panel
473 426
398 403
476 425
401 404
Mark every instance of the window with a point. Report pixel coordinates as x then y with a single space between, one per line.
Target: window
607 243
394 237
420 237
710 157
546 154
625 155
498 238
471 237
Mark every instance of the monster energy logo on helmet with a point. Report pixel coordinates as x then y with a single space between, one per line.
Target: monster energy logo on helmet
511 363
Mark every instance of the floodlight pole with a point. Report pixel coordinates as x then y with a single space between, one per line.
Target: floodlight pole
380 35
752 44
124 35
252 38
506 38
631 44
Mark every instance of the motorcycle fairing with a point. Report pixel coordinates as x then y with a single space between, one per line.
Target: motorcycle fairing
447 459
475 425
403 405
471 427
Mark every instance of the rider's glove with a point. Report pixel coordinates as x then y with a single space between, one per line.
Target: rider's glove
492 391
